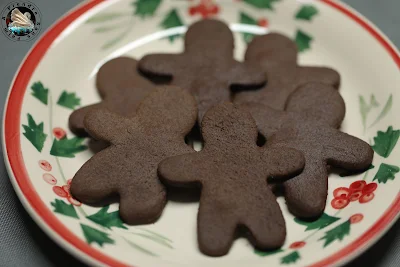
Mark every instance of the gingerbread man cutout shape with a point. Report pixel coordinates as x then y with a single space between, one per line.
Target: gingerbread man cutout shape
206 68
128 168
232 171
314 110
277 56
120 86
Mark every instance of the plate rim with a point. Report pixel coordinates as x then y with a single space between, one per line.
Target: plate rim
49 223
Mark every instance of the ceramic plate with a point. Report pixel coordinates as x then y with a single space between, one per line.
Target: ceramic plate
57 76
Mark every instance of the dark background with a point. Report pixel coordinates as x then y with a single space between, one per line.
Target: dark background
22 243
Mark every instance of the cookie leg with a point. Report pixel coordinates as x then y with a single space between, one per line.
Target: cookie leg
144 207
306 193
265 221
215 228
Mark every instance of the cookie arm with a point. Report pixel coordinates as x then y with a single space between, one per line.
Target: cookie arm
283 162
77 117
246 74
322 75
160 64
104 125
348 152
182 170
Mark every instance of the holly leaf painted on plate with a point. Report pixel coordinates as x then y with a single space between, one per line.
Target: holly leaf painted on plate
67 147
365 108
34 133
385 110
306 12
302 40
386 172
247 19
64 208
337 233
145 8
95 236
107 219
171 20
105 17
267 253
323 221
40 92
68 100
290 258
386 141
262 4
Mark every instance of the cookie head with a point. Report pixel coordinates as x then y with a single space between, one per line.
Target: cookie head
219 38
227 123
168 108
273 48
319 102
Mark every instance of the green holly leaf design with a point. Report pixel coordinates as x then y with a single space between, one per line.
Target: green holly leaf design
247 19
386 172
290 258
171 20
365 108
95 236
337 233
40 92
67 147
64 208
386 141
323 221
105 17
68 100
267 253
262 4
107 219
306 12
384 111
302 40
145 8
34 133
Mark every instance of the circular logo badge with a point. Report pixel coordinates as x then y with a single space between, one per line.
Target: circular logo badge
21 21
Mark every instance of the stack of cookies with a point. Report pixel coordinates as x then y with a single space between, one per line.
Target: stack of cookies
297 109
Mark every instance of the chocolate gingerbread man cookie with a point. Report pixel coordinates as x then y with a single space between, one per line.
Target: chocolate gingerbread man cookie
128 168
206 68
277 56
120 86
232 171
309 127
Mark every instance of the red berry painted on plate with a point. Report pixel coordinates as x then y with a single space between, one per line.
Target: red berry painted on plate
297 245
342 192
365 198
60 191
45 165
66 188
339 203
356 218
369 188
355 195
357 185
59 133
262 22
50 179
73 201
